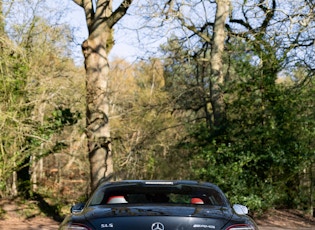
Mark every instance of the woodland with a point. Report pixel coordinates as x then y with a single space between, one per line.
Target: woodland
227 99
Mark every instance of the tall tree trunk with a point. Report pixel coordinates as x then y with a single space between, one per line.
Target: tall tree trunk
217 77
100 20
98 129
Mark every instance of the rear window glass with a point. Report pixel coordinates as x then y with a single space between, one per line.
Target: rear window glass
140 194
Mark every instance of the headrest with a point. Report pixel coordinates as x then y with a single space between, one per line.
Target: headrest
116 200
196 200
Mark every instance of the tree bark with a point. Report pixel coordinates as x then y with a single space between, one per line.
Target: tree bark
217 77
100 20
97 122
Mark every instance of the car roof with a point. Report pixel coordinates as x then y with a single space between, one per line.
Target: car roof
159 182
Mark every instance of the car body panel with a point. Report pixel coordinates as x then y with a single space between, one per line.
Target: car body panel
170 216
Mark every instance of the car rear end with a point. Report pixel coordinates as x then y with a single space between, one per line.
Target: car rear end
167 217
158 205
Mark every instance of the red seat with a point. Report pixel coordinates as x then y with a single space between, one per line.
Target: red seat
116 200
196 200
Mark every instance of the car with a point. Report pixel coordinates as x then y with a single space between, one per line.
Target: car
158 205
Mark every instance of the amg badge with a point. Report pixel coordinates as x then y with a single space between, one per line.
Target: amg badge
203 226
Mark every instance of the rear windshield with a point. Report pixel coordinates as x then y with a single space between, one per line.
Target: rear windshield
139 194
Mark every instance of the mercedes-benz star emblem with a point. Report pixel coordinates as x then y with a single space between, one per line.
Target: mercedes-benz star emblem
157 226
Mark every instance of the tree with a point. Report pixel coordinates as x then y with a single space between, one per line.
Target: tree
100 19
140 104
214 34
216 61
1 19
37 102
14 114
257 50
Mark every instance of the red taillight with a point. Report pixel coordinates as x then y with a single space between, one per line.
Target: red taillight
241 227
76 227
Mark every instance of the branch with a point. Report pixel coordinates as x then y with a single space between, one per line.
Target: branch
195 30
87 6
269 14
78 2
119 12
241 22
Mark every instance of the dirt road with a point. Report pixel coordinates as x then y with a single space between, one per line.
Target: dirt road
278 228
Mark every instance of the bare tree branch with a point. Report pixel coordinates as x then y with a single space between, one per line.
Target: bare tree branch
119 12
192 28
87 6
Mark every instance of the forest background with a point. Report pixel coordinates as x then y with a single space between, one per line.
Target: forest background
162 113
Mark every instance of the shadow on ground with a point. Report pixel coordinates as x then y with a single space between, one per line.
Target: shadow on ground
47 209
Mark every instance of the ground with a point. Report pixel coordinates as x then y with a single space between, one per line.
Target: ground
26 216
285 219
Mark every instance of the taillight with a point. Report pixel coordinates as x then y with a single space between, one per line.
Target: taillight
76 227
241 227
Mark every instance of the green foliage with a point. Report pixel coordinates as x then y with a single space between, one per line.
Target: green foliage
35 109
62 117
269 133
14 113
268 143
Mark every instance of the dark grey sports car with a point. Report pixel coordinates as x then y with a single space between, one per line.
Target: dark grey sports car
158 205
